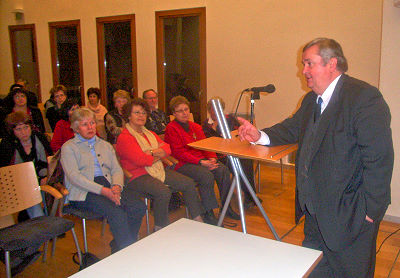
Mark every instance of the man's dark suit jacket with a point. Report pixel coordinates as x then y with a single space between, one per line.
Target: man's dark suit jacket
351 158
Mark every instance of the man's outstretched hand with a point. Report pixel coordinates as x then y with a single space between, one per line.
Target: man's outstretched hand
247 131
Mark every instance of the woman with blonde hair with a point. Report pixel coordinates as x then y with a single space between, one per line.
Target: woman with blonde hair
95 180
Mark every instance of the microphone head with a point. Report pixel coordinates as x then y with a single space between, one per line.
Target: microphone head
270 88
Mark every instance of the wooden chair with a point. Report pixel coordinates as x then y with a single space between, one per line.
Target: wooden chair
19 190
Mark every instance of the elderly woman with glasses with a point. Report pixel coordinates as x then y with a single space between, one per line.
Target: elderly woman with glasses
140 152
95 180
202 166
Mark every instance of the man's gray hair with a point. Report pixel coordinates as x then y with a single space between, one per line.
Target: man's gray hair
329 48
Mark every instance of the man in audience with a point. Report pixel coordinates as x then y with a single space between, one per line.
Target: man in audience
344 162
157 120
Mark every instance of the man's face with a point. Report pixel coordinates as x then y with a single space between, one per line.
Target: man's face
318 75
152 100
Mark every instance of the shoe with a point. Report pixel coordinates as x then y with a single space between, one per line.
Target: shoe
232 214
249 203
28 260
113 246
209 218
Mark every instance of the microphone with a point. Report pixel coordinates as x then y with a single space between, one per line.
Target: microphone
255 93
270 88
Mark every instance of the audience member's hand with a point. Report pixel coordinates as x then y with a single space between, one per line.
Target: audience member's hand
116 189
43 181
107 192
369 219
247 131
214 160
210 165
159 152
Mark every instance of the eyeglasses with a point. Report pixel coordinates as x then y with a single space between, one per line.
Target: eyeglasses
151 98
182 111
137 113
21 127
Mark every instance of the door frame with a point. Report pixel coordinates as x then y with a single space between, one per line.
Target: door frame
160 16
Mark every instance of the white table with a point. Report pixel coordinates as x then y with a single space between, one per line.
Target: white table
191 249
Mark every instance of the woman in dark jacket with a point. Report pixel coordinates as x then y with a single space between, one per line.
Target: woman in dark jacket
53 114
114 121
17 100
25 144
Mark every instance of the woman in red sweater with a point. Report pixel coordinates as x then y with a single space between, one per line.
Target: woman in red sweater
202 166
62 131
140 152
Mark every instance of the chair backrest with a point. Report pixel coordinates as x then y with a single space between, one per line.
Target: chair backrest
19 188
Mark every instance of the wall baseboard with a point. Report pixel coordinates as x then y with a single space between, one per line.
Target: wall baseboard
392 218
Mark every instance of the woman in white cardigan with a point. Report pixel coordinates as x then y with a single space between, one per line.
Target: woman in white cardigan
94 180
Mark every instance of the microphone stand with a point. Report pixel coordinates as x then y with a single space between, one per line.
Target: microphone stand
253 97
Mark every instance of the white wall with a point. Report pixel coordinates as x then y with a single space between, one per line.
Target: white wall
249 43
390 86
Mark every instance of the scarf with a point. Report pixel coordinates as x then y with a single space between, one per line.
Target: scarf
157 169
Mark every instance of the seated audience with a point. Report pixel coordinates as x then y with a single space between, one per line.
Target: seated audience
25 144
211 129
99 110
95 180
156 120
53 114
113 120
140 152
63 131
17 100
202 166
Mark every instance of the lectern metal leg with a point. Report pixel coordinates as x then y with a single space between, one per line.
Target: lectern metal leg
239 173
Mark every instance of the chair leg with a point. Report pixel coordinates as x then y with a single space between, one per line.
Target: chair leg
85 246
259 176
53 247
7 262
187 212
45 247
146 201
78 249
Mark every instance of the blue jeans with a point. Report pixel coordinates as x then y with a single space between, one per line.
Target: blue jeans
124 220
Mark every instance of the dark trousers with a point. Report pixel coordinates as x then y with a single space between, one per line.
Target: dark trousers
124 220
160 192
357 260
205 178
247 166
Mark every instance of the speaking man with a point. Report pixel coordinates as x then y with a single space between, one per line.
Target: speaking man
344 162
